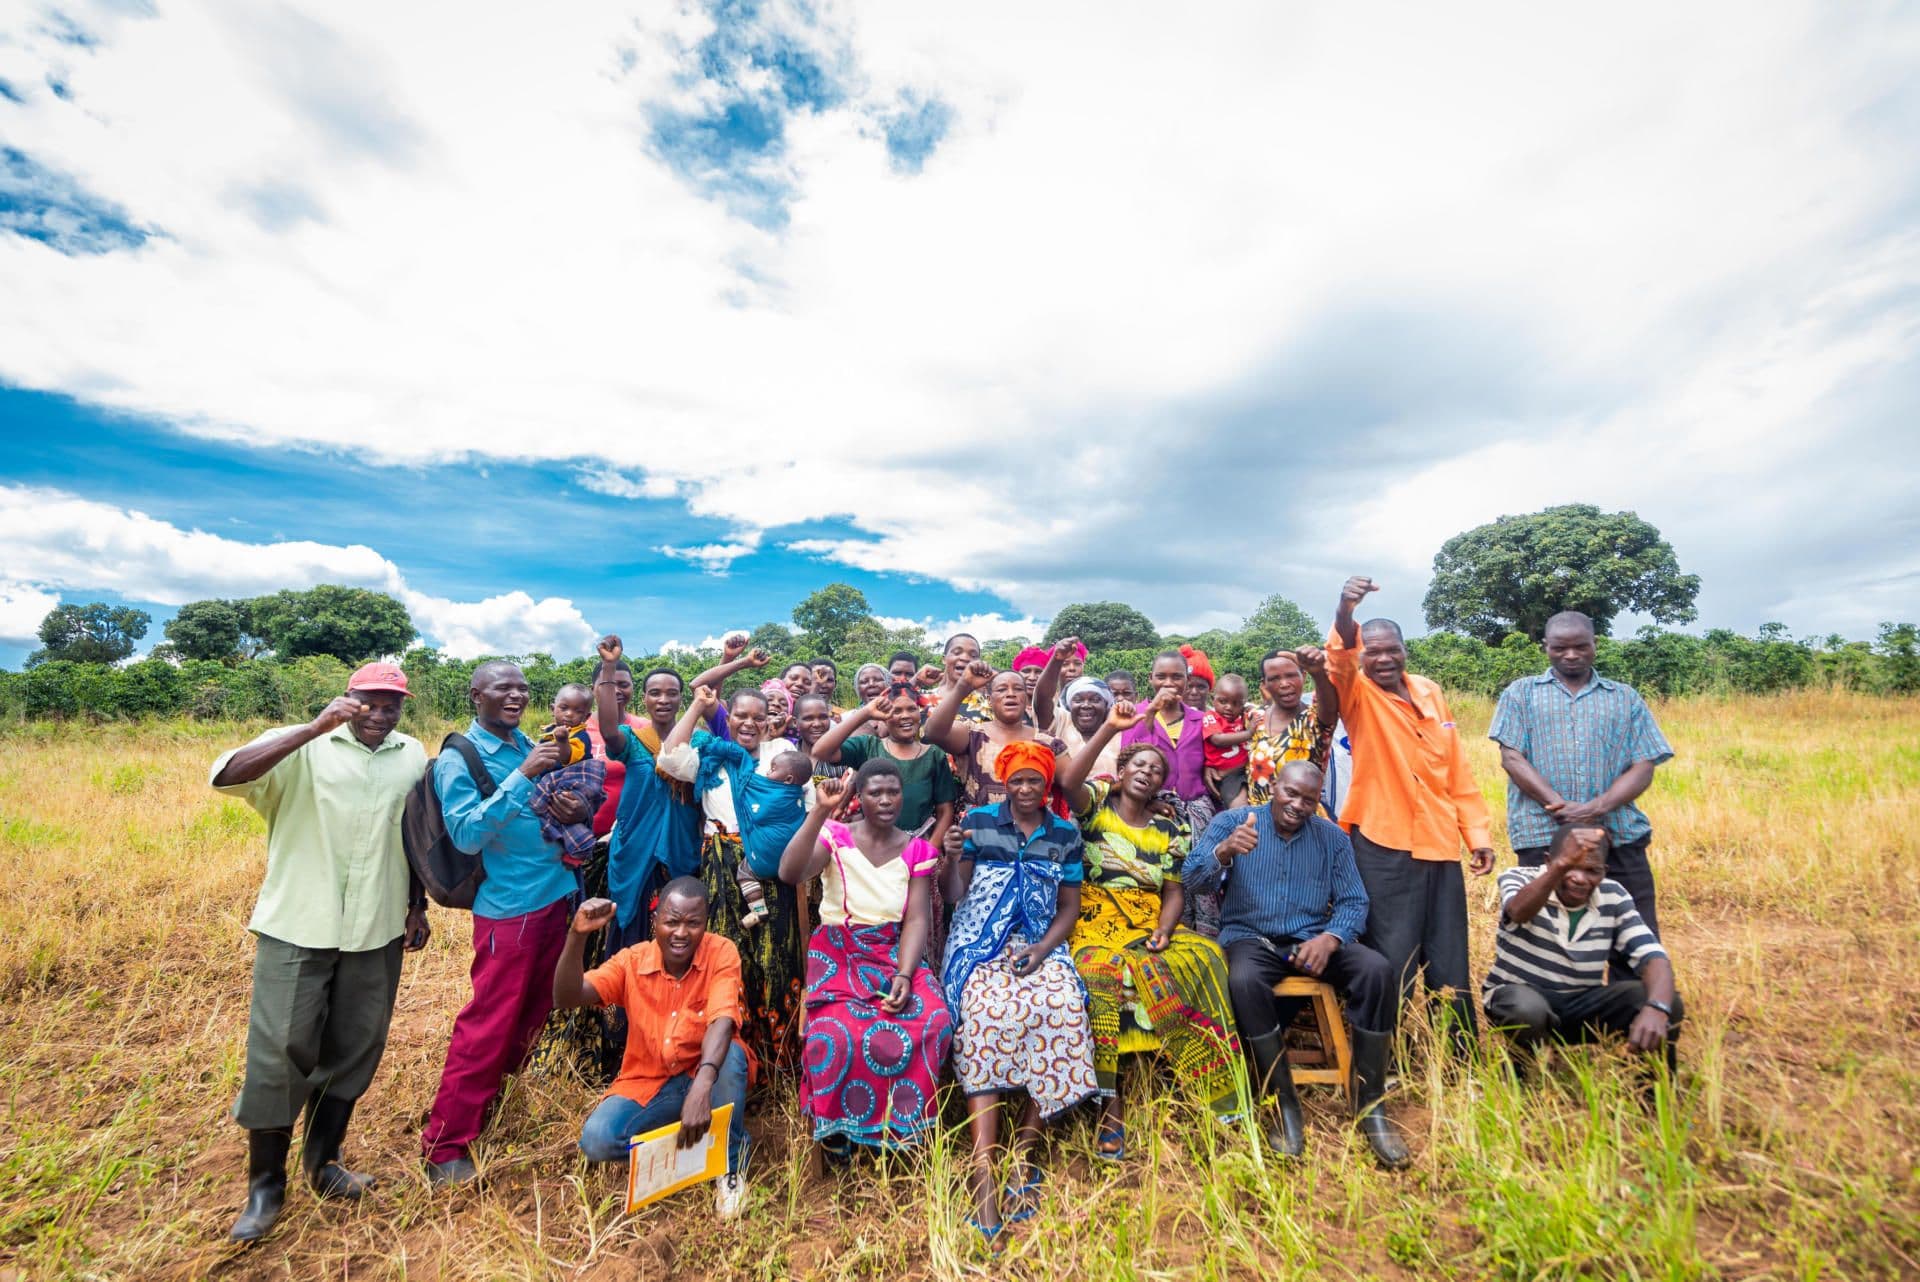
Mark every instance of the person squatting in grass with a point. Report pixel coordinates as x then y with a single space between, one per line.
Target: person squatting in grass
1560 923
336 909
519 911
1293 903
681 994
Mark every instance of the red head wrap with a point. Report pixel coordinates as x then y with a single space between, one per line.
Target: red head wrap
1031 657
1024 754
1197 663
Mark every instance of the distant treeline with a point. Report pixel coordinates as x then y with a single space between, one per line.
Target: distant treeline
1659 663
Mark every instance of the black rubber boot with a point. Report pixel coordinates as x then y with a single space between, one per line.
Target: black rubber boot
1369 1084
327 1118
266 1184
1271 1072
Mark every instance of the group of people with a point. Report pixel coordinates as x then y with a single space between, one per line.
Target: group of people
1027 879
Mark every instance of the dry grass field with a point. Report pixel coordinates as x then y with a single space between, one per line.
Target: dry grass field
1788 843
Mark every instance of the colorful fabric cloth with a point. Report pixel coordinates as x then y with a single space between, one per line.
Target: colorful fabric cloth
587 779
1017 1032
616 775
1302 739
1026 1033
1412 789
770 970
978 784
866 1074
1580 741
1175 1000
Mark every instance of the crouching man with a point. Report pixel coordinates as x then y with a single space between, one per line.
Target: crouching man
1559 922
681 993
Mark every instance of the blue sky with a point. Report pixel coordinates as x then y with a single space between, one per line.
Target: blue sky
703 307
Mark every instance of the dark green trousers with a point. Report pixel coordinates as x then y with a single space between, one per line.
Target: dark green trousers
318 1024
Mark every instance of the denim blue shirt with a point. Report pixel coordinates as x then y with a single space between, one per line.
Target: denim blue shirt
1580 741
1285 887
524 872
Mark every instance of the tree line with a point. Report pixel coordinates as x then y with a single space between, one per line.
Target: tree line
281 657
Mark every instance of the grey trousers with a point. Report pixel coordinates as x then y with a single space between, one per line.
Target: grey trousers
1417 920
318 1024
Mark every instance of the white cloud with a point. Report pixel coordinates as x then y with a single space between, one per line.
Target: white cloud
51 539
1166 308
715 558
987 628
618 484
22 607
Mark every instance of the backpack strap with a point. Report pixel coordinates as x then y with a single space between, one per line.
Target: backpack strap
475 767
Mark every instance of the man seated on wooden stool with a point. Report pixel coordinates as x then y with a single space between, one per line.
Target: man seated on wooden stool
1291 903
681 993
1559 922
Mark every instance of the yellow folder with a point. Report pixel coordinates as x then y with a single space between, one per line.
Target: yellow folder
657 1165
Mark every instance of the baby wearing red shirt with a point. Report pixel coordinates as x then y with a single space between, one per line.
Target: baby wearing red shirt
1225 728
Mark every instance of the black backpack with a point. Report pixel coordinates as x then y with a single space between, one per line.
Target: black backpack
451 875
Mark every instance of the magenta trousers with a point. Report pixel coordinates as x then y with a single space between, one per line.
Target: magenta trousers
513 960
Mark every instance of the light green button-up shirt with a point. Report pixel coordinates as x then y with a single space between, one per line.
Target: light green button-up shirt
336 872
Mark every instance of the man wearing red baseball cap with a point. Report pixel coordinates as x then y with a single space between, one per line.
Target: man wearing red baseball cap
335 911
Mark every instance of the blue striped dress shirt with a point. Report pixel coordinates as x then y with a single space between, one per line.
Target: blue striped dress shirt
1580 742
1285 887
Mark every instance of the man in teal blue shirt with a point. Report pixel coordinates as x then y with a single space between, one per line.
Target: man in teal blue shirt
519 913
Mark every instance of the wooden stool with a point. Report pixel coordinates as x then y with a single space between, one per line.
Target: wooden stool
1331 1063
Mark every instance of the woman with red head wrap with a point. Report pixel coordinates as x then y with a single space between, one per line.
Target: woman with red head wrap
1020 1010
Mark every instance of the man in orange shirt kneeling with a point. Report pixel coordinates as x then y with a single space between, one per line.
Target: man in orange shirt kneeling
681 994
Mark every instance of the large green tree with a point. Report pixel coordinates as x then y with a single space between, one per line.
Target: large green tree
1104 625
1279 624
828 616
351 624
1516 573
207 630
91 633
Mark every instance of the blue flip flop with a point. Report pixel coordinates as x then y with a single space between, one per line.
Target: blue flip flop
990 1236
1115 1135
1019 1196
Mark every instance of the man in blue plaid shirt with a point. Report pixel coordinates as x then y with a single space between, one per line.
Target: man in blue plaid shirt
1578 749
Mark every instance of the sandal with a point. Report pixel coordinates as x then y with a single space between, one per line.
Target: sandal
989 1236
1111 1143
1023 1198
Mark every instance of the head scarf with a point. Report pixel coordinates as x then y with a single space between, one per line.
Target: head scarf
1024 754
1031 657
1197 663
772 684
1089 685
1079 649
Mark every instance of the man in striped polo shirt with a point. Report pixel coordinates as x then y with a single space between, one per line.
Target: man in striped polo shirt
1559 924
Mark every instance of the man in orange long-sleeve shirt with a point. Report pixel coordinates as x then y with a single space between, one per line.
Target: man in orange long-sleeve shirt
1412 805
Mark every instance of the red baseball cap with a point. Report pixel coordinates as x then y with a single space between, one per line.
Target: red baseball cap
380 676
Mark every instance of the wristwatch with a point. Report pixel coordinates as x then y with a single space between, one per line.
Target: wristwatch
1662 1007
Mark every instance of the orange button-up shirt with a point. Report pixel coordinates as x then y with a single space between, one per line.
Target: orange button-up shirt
1411 789
667 1018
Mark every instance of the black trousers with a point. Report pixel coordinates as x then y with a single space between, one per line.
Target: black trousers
1359 974
1417 920
1531 1015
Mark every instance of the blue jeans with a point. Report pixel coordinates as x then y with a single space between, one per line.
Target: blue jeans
617 1119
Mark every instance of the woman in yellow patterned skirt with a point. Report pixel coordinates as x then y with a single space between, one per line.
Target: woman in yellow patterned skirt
1151 983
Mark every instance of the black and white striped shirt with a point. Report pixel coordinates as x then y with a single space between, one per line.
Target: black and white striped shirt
1543 953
